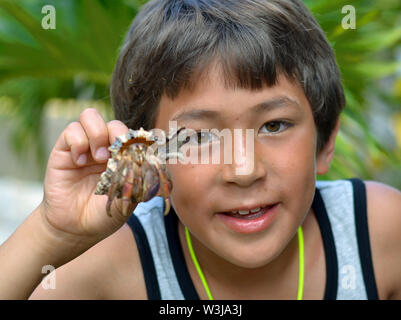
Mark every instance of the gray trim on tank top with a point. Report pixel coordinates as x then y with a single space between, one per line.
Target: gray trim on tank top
338 198
150 214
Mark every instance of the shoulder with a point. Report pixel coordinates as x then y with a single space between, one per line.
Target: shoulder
384 218
111 269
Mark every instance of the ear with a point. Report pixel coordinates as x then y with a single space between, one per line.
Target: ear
326 154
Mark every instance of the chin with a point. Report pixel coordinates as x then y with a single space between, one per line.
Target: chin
252 262
249 258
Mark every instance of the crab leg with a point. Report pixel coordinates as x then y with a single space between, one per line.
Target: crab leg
165 187
151 181
114 188
127 188
138 182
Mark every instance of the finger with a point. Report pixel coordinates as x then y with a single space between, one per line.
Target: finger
96 129
116 128
75 140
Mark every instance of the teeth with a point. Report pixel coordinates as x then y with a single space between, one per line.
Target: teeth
244 212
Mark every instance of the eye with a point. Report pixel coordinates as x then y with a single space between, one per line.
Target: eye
276 126
200 138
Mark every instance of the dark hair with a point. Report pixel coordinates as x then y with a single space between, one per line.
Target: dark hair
171 43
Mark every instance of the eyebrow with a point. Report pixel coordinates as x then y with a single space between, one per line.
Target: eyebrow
265 106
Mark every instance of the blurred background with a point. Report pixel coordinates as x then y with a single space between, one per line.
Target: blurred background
48 76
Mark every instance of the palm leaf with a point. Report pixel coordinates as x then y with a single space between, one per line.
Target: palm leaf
77 58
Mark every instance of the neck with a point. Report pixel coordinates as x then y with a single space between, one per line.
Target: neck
281 272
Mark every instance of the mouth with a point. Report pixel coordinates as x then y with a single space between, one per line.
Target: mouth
250 220
244 213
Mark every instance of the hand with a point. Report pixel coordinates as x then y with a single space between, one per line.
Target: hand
79 156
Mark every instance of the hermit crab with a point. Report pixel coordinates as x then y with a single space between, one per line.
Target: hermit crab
136 171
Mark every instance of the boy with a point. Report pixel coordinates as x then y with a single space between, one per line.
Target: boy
252 64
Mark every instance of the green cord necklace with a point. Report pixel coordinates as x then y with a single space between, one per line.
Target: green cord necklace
301 264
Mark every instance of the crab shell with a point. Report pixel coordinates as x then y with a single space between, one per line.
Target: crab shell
116 149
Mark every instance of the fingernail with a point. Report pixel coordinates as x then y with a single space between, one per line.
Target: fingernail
102 153
82 159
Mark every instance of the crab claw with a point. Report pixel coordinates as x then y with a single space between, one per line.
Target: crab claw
151 181
167 206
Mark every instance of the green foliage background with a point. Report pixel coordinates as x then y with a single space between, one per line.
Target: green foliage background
77 58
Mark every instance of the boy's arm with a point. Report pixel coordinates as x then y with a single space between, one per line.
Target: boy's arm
111 269
384 217
71 217
24 254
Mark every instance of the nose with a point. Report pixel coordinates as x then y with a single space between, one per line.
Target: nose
246 166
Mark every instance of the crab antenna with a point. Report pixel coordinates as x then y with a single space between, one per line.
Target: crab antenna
175 134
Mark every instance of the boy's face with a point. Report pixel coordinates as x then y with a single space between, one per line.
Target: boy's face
283 170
